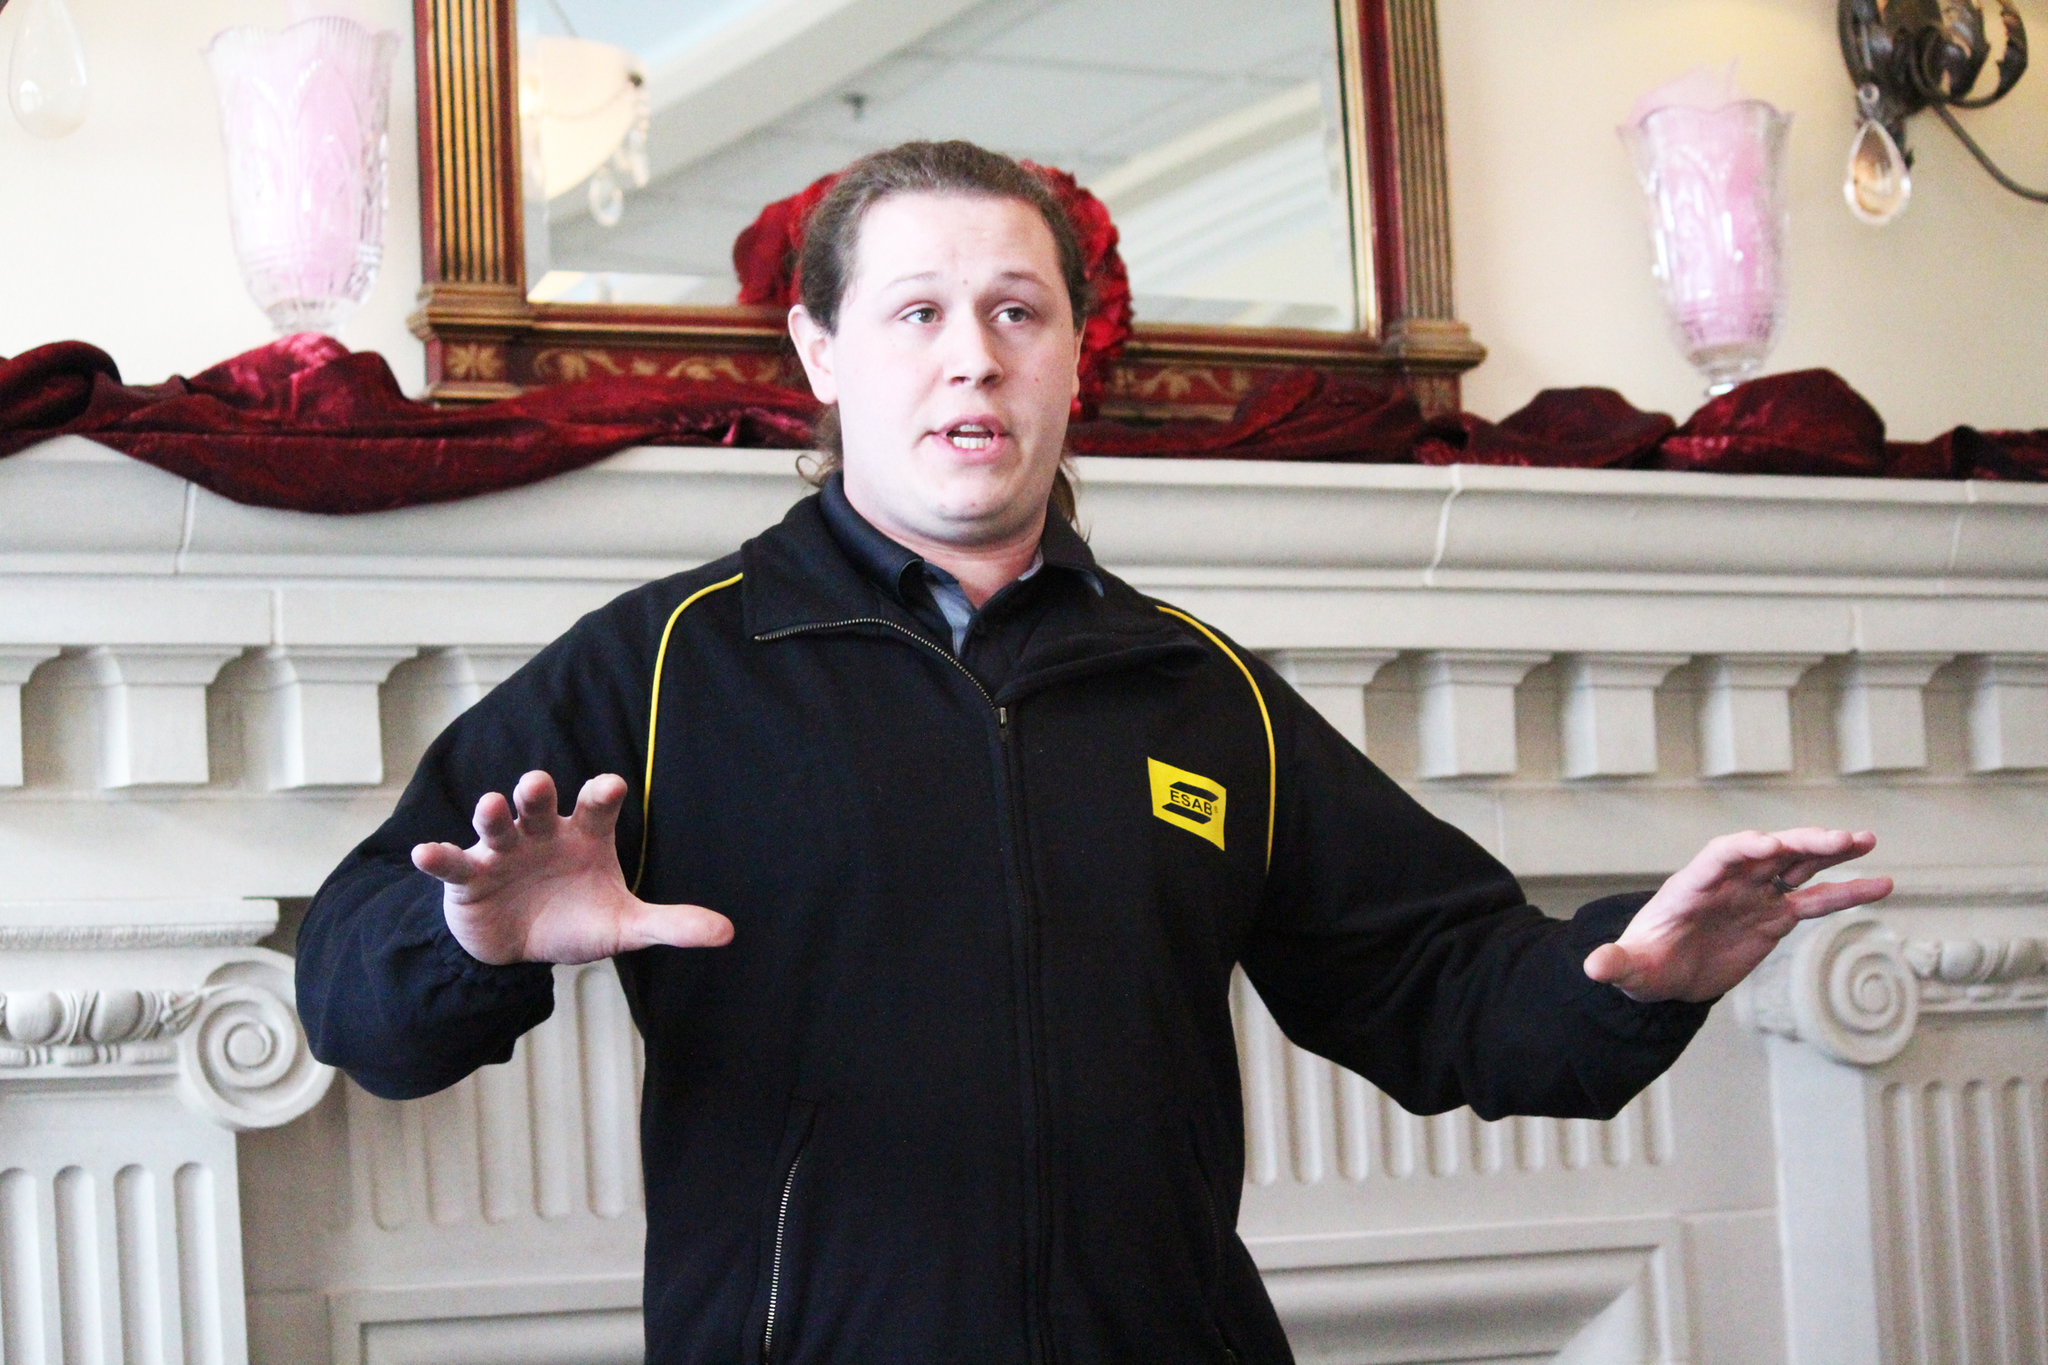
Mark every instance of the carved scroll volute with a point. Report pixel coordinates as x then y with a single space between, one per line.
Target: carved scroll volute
244 1061
1842 984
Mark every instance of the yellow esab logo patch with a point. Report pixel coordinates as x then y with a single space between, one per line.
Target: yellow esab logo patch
1189 800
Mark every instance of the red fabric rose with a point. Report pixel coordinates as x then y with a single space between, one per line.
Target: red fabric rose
1109 320
767 253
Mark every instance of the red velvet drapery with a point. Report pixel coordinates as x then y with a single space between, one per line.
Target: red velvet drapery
305 424
308 425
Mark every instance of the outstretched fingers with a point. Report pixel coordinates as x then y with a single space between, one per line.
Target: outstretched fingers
598 806
445 862
531 813
500 826
1791 854
539 810
1828 897
1734 855
494 824
1814 850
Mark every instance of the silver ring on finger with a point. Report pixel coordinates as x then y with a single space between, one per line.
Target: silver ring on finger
1781 886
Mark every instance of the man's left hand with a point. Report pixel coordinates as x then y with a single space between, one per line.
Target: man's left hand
1723 912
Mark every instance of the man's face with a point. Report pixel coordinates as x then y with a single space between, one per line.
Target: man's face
954 366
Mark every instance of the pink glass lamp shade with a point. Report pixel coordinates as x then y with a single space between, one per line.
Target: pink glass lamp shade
303 119
1715 185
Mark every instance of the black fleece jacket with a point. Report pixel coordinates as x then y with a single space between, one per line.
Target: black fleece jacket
963 1087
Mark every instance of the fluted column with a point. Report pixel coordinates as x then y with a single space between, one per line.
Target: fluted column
136 1038
1908 1174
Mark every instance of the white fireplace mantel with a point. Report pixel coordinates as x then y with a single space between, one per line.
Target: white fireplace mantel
205 705
648 511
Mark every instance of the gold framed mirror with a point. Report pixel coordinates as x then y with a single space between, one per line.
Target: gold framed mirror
523 288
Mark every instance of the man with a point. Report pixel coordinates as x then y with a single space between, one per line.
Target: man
945 1071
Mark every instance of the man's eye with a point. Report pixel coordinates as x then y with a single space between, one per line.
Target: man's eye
1015 312
921 313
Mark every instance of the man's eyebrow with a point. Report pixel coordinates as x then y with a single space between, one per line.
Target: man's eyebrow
1002 277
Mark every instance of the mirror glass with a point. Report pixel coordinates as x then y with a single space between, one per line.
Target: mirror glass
653 131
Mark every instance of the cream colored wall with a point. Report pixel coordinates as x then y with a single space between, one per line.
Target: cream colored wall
118 234
1941 318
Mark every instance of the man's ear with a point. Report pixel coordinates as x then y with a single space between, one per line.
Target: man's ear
814 349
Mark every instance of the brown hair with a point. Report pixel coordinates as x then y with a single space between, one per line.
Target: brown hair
831 241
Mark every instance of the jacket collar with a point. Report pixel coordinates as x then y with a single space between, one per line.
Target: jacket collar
895 566
798 575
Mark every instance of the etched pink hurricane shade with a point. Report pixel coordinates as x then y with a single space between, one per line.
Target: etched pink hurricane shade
303 116
1714 180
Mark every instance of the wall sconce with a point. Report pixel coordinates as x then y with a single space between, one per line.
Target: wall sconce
1909 55
1712 168
303 123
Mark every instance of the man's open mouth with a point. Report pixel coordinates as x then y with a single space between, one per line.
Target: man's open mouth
971 436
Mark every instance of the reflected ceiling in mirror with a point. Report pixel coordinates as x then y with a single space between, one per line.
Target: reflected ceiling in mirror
1213 130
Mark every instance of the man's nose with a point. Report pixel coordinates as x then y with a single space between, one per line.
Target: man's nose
971 354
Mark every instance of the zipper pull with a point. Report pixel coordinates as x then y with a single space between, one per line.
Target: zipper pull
1002 718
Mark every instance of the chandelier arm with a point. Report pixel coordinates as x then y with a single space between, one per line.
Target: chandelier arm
1983 159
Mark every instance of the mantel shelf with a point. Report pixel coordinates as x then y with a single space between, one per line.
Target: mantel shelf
72 507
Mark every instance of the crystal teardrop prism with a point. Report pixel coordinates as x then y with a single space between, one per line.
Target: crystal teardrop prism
632 156
1878 184
607 198
46 78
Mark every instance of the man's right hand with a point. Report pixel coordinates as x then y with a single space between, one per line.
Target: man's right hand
536 887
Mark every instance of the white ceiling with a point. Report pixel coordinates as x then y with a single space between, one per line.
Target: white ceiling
1209 123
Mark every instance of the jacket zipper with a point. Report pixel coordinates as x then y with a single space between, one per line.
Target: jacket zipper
1037 1311
1002 715
1215 1268
775 1264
